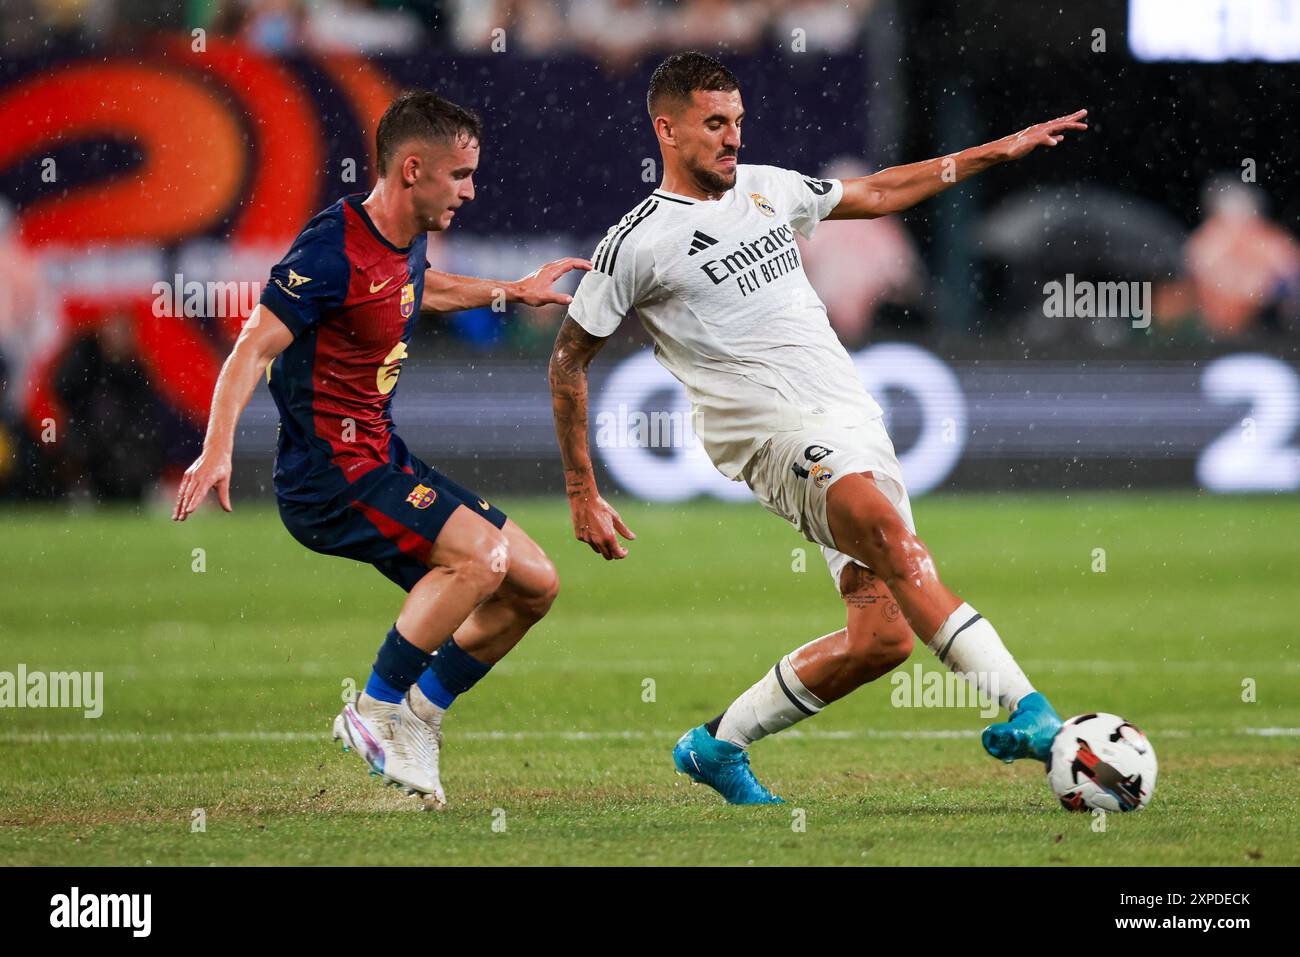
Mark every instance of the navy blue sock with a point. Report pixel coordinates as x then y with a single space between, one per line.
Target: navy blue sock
398 665
452 671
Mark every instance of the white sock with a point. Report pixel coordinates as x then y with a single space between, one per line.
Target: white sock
970 646
776 701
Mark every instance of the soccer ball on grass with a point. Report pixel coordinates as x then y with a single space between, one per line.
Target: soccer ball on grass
1101 761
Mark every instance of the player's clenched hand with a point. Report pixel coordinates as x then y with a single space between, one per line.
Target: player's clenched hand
595 522
1042 134
535 288
207 472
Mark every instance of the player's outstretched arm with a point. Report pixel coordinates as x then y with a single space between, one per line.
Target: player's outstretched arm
901 187
263 338
594 520
444 292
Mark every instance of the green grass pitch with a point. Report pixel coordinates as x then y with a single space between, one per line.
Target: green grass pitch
220 687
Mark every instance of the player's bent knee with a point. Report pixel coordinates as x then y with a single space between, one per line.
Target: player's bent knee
881 650
894 648
538 601
551 591
481 566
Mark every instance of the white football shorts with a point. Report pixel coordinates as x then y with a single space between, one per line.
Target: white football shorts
791 473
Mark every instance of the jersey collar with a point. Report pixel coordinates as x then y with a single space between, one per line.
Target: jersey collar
676 197
355 202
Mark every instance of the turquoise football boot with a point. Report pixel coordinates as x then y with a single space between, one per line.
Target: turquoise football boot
722 766
1028 734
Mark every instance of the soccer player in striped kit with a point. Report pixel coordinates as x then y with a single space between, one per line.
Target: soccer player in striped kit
330 333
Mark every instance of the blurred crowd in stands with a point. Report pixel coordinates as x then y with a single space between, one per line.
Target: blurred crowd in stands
618 33
1237 285
1223 271
1242 269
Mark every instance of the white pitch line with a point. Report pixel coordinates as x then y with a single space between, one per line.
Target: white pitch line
115 672
1274 732
183 737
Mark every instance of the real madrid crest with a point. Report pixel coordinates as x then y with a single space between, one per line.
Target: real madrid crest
763 205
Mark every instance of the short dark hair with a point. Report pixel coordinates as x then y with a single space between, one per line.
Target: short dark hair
682 74
422 115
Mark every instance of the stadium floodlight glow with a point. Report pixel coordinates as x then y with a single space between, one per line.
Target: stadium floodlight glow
1212 31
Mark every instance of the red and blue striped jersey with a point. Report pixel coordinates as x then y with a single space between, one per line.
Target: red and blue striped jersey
350 298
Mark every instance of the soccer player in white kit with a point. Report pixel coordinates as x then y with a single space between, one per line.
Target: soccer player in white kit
709 263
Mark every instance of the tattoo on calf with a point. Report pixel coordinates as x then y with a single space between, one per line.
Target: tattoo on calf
861 588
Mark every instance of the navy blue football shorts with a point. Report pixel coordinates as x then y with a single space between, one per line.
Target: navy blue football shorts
388 518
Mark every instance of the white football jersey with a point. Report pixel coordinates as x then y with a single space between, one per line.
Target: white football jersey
719 286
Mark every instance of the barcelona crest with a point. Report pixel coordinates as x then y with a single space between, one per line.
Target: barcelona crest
408 300
422 496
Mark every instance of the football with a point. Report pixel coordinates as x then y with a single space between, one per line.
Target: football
1101 761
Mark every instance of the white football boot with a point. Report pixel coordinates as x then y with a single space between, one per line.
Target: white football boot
387 737
426 719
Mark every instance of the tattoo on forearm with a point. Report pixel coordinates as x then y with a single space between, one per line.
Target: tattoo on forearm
575 483
573 352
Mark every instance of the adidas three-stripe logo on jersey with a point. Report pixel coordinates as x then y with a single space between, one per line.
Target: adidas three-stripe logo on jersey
700 242
720 287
